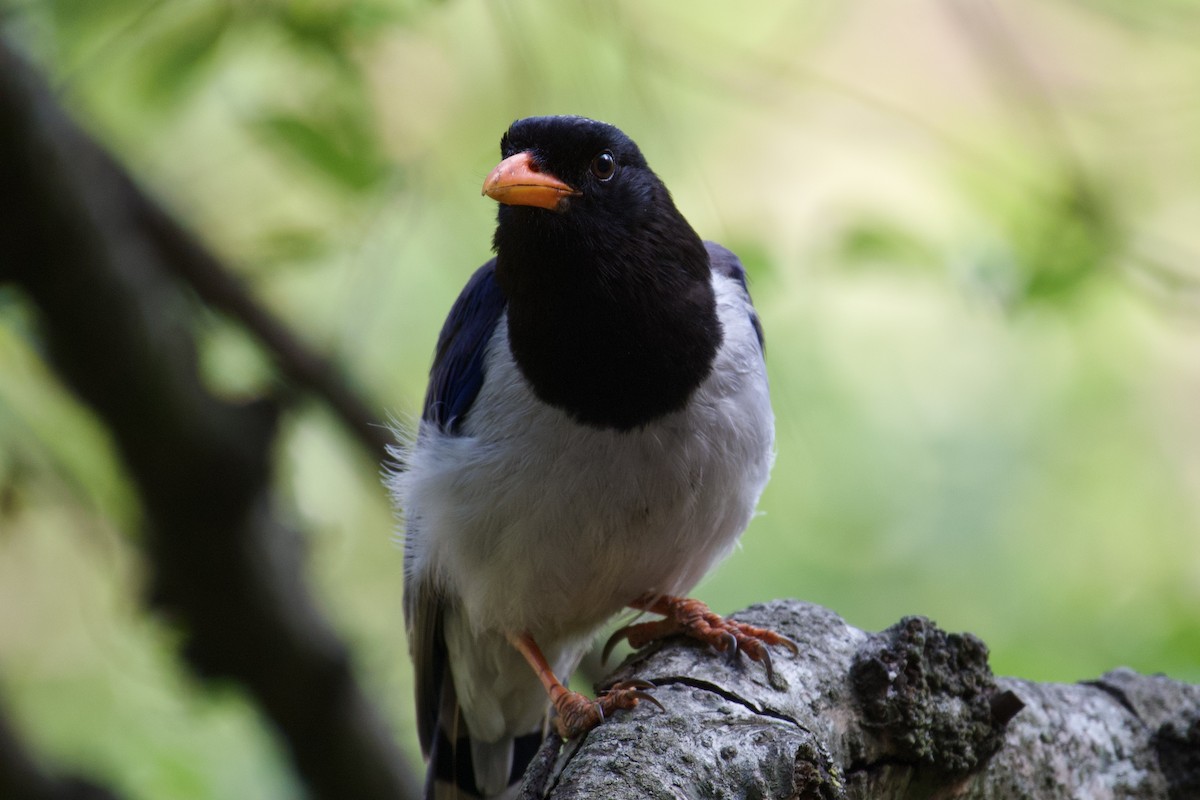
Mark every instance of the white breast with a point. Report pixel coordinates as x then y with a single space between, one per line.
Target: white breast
536 523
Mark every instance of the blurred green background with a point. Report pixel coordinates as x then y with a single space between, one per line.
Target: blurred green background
973 233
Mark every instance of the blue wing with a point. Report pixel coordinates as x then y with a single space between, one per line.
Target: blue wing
457 372
454 382
726 263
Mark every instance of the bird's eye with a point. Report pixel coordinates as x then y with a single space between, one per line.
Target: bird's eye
604 165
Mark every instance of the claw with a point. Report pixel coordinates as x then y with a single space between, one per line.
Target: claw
635 689
765 658
789 644
729 644
649 698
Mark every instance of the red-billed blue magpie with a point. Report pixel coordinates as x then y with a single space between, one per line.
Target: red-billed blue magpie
595 436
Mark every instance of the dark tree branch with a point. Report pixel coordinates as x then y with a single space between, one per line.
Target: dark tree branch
225 570
221 289
180 253
908 713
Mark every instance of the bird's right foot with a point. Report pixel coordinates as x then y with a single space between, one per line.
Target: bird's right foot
694 619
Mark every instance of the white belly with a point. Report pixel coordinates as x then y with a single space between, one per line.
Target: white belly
531 522
535 523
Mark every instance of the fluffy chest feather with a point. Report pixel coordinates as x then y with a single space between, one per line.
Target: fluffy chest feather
531 521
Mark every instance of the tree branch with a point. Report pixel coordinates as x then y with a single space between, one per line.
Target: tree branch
179 252
911 712
225 569
221 289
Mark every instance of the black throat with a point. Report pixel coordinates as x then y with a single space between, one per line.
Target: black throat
615 331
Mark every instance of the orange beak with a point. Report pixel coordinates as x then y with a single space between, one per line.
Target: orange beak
517 181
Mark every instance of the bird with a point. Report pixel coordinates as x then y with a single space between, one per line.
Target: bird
595 436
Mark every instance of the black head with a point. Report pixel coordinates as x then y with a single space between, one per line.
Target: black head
566 145
611 309
594 158
587 172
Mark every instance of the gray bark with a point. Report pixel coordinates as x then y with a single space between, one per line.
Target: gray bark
911 712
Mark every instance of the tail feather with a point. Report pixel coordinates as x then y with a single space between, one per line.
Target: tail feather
493 764
451 771
461 768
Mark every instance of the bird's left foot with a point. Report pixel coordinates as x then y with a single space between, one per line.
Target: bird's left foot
695 619
577 714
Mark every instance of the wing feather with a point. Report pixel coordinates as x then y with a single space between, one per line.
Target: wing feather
724 262
457 372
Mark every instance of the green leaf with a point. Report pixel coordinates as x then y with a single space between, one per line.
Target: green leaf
340 147
290 246
334 28
872 241
177 58
1064 241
